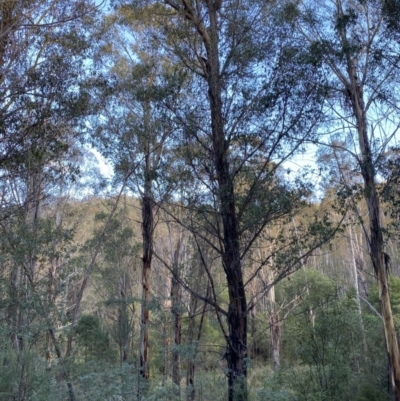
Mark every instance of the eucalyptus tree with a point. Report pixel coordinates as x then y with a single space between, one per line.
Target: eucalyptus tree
34 34
350 43
250 106
42 51
41 100
134 129
115 278
42 104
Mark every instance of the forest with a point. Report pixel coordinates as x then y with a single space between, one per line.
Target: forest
199 200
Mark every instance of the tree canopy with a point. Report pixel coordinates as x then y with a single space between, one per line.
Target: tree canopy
210 262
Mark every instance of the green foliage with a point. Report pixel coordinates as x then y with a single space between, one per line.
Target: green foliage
92 338
394 289
99 381
391 12
329 348
24 376
259 338
150 94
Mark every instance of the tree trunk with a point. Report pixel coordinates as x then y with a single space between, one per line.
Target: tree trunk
63 372
51 300
13 311
191 394
275 330
7 20
167 342
236 353
177 322
274 326
355 285
147 237
147 234
176 359
123 322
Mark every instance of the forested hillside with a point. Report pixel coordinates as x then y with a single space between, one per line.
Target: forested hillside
200 200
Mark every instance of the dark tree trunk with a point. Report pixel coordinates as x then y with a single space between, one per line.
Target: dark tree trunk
147 235
191 394
176 311
147 238
63 372
236 353
51 300
6 27
191 391
177 320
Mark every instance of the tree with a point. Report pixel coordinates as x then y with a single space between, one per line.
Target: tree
250 105
32 39
136 132
116 277
360 62
41 108
326 346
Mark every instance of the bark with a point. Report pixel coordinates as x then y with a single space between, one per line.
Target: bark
147 235
63 372
6 26
253 349
52 284
51 300
191 393
177 320
22 277
147 238
176 359
354 98
236 353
